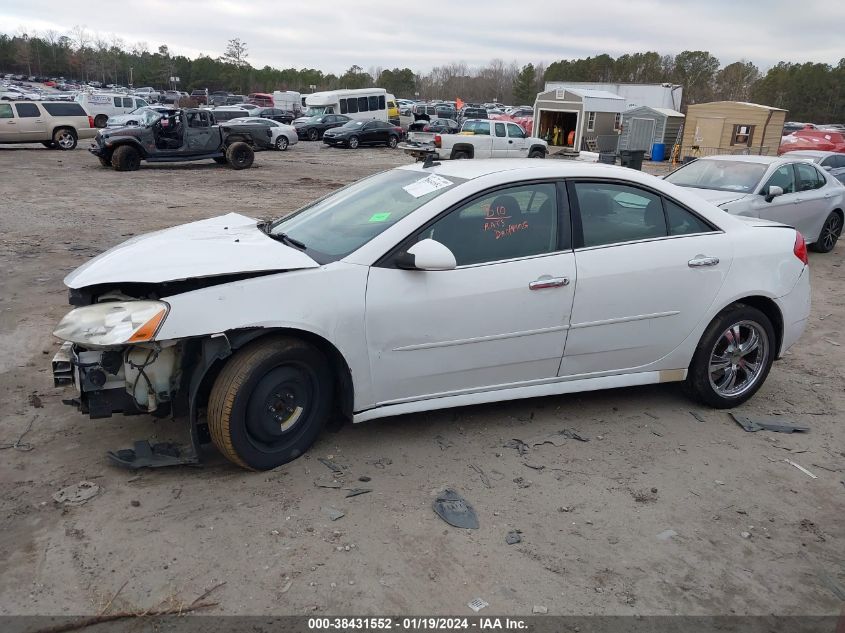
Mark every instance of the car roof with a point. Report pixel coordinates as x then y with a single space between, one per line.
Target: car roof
811 153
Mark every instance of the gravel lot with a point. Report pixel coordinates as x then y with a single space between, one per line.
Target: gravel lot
647 517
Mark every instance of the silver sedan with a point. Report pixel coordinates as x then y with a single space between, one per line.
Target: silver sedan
788 189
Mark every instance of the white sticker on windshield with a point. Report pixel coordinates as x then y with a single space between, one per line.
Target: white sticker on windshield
428 184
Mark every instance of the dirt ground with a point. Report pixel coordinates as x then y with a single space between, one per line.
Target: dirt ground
647 517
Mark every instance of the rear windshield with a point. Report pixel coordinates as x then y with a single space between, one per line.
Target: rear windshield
64 109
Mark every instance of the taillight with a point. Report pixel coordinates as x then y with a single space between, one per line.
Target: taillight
437 140
426 129
90 121
800 248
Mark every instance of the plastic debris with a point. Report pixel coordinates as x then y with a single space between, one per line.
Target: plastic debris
697 416
665 535
482 475
539 609
330 465
477 604
333 513
77 494
752 425
801 468
354 492
454 509
513 537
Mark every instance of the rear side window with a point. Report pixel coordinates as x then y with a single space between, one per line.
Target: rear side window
27 110
127 102
6 111
611 213
784 177
500 129
118 102
809 177
683 222
64 109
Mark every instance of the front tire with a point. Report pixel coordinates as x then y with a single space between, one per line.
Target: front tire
537 154
733 358
282 143
269 403
392 142
313 135
353 142
240 155
65 138
831 230
104 162
126 158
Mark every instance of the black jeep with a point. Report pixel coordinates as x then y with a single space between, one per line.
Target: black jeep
180 135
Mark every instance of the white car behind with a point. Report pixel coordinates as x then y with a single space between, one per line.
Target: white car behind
421 288
282 135
786 189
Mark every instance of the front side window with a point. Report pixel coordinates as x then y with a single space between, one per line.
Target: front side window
611 213
809 177
514 131
6 111
514 222
784 177
27 110
333 227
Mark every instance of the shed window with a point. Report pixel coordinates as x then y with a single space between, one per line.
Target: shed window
742 135
591 121
617 121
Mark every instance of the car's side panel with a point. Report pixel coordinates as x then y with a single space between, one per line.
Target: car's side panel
327 301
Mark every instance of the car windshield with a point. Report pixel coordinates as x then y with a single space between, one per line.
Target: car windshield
719 175
315 111
342 222
148 117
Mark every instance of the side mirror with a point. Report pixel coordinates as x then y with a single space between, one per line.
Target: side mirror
427 254
773 192
827 167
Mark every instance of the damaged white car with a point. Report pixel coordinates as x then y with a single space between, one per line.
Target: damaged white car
431 286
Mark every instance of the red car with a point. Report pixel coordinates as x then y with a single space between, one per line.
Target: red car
813 139
261 99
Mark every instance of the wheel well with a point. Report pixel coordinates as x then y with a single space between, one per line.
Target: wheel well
344 393
64 127
771 310
468 148
135 146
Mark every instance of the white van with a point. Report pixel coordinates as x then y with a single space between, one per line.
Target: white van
287 100
102 105
366 104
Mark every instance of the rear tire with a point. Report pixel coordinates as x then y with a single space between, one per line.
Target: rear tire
313 135
282 143
126 158
65 138
392 142
460 155
100 120
269 403
831 230
240 155
733 357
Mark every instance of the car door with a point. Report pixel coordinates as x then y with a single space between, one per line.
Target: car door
517 143
648 269
500 317
31 122
501 142
198 132
790 208
9 125
816 198
369 132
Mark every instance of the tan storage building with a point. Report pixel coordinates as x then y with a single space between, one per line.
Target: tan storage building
732 127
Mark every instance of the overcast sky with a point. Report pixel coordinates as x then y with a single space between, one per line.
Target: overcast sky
332 36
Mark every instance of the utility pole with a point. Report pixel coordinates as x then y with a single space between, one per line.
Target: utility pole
130 77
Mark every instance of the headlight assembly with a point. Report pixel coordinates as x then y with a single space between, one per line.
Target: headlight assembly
113 323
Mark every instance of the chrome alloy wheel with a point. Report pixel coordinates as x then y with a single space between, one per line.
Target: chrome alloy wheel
738 358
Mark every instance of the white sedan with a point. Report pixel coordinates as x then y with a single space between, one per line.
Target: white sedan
282 135
424 287
788 189
14 93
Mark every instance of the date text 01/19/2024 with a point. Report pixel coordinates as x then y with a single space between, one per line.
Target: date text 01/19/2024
417 624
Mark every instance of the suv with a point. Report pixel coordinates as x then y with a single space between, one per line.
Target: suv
150 95
54 124
180 135
200 96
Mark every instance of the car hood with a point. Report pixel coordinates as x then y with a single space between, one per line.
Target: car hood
718 197
227 244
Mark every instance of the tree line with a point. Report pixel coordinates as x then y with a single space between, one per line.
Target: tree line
810 91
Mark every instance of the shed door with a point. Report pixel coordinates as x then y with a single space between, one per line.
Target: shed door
641 134
708 132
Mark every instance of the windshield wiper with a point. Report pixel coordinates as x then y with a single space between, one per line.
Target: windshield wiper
282 237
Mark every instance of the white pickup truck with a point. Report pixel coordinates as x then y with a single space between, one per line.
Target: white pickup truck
478 138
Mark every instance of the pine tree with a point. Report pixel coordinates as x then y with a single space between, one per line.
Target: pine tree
524 86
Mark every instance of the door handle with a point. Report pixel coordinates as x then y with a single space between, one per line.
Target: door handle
548 282
699 261
510 142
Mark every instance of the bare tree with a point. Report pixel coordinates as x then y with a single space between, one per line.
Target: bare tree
236 53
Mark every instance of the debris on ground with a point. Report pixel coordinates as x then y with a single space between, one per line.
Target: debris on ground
330 465
287 587
482 475
801 468
558 438
146 455
477 604
135 503
19 444
77 494
455 510
513 537
365 478
665 535
442 442
354 492
35 401
522 482
381 462
753 425
333 513
745 534
534 465
539 609
644 496
697 416
327 483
